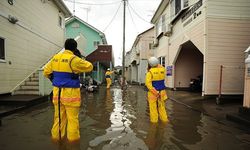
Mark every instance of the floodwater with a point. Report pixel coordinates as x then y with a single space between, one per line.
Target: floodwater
117 120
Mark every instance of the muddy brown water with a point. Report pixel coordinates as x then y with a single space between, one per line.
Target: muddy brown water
119 120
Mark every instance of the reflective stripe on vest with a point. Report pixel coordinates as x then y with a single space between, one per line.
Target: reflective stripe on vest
64 79
108 76
159 85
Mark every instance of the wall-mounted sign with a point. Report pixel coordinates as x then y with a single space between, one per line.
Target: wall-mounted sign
169 70
190 12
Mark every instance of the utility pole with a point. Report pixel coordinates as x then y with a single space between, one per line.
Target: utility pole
74 7
123 50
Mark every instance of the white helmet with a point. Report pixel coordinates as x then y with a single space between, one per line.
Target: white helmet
153 61
108 69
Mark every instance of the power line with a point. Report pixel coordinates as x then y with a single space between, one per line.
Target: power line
113 17
110 3
132 19
137 14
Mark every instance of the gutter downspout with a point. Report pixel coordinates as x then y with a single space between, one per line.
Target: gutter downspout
204 81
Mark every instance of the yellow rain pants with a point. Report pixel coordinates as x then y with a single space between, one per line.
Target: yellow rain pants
108 78
109 82
64 64
69 120
156 99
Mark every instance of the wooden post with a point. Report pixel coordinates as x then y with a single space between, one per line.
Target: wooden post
218 99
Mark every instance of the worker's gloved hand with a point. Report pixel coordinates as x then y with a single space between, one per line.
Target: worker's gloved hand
155 92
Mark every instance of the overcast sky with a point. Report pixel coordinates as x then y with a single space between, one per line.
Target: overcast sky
138 16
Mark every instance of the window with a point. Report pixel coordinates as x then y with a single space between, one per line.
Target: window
163 28
151 46
2 49
96 43
60 21
177 6
162 61
161 25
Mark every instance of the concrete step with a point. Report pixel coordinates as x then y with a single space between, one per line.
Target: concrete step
16 100
29 92
36 75
14 103
32 83
29 87
33 79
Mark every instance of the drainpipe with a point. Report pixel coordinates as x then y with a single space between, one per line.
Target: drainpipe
205 50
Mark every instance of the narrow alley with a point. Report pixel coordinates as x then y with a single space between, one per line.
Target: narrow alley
113 119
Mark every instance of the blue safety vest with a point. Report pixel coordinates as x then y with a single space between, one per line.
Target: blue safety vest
66 79
159 85
158 78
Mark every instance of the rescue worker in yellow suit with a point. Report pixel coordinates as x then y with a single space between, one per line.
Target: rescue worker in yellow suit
108 77
65 67
157 95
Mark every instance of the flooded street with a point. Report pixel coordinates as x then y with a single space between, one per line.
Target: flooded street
117 120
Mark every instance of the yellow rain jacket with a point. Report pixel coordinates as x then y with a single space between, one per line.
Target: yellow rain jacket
155 82
64 67
108 78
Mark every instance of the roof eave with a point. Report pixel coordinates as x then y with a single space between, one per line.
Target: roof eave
60 4
102 35
159 10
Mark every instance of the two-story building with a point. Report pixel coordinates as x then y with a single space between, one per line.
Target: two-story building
31 32
141 50
203 37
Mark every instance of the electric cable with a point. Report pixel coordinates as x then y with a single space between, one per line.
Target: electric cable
110 3
113 17
137 14
132 19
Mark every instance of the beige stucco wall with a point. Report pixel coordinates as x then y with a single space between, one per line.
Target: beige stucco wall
221 32
145 39
29 43
228 35
144 53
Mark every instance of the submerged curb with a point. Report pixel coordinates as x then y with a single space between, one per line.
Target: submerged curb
190 107
26 105
231 117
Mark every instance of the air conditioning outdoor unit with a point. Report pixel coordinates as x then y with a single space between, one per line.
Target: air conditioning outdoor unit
168 30
156 42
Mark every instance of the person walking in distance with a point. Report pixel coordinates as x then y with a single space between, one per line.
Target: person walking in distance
108 77
155 83
64 69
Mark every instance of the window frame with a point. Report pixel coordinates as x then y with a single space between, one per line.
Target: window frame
3 58
96 43
161 25
184 5
60 21
162 61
